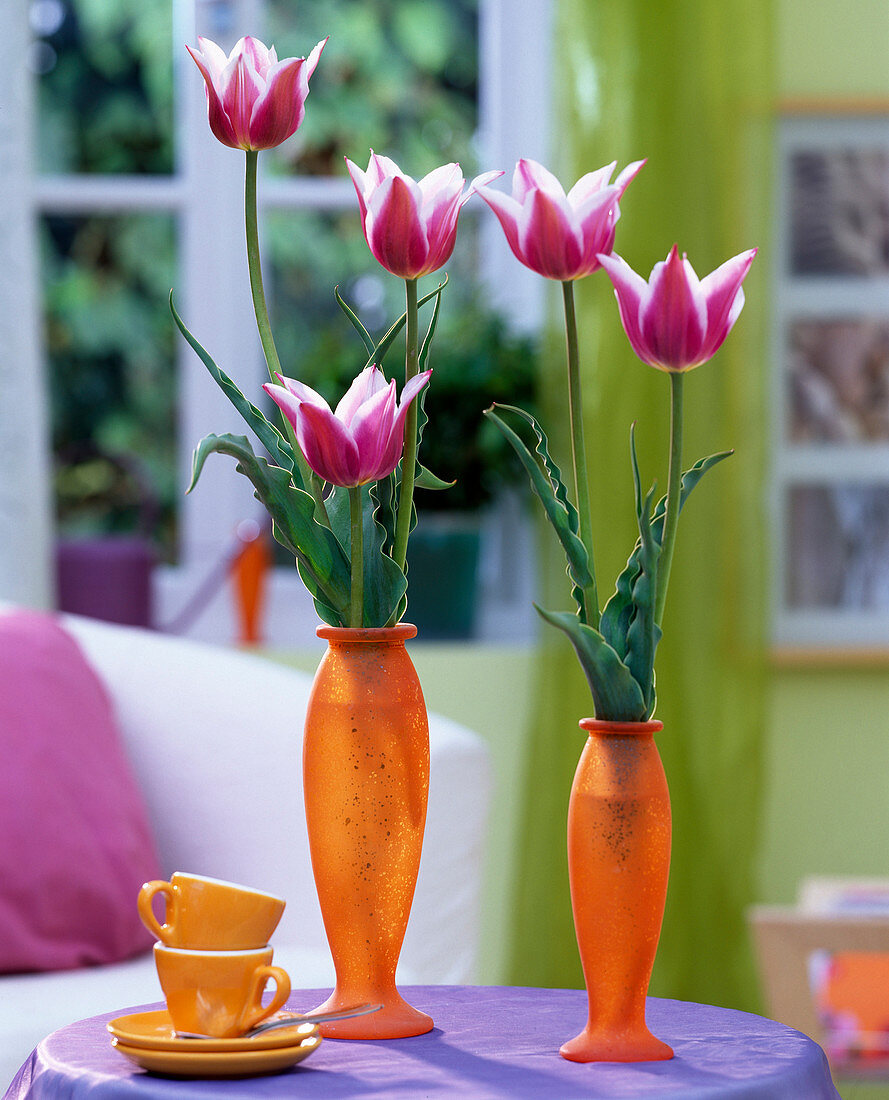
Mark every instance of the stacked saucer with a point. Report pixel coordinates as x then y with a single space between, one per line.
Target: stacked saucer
150 1040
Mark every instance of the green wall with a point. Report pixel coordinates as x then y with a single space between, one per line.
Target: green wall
833 48
828 773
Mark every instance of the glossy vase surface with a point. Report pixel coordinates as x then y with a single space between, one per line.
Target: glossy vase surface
366 784
619 831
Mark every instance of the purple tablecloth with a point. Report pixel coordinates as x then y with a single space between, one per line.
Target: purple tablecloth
489 1043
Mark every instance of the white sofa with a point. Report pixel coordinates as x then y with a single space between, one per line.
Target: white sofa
214 735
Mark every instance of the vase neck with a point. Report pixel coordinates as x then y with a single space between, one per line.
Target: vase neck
601 725
368 635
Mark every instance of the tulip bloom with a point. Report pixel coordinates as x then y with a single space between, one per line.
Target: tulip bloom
363 439
676 321
254 101
411 226
557 235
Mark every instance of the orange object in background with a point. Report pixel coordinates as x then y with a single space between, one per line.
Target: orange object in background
852 998
249 577
366 784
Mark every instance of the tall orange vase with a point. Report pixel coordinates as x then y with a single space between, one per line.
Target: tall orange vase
619 830
366 784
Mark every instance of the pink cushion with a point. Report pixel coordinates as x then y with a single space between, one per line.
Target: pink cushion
75 845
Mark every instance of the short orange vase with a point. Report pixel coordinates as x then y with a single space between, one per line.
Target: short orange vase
619 829
366 785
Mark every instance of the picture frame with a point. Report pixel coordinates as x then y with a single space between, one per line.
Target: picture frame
830 395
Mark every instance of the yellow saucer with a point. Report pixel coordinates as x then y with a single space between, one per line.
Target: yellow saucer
230 1063
154 1031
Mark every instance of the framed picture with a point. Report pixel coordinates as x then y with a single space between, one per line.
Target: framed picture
831 383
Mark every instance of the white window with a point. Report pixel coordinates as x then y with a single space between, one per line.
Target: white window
831 464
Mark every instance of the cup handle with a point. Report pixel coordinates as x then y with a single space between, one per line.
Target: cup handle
146 912
254 1010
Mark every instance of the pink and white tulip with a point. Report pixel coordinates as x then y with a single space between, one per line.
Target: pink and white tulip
557 235
362 439
410 226
676 321
254 101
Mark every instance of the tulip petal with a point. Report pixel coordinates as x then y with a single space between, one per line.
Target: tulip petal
631 290
280 107
381 168
531 176
725 298
395 443
508 212
549 242
482 180
587 186
302 392
219 121
286 401
214 57
673 320
256 51
371 429
393 228
315 56
628 175
328 445
240 88
362 186
440 186
365 385
595 221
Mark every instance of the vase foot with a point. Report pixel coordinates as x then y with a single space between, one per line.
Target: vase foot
617 1046
395 1020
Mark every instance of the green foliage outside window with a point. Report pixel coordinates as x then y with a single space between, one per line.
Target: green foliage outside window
398 76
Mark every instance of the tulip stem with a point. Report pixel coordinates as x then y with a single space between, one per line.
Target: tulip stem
253 262
578 453
260 310
357 548
674 488
409 455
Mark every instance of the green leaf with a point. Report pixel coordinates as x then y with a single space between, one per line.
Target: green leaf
616 695
430 332
546 481
356 322
376 356
643 633
323 565
384 583
384 492
618 611
275 443
426 479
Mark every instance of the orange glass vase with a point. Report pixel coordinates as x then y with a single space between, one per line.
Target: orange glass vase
619 830
366 785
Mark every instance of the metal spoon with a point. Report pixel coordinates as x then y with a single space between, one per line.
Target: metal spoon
293 1021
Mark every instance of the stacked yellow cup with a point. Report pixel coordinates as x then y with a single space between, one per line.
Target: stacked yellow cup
213 954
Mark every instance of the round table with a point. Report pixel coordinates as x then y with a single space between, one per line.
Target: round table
489 1043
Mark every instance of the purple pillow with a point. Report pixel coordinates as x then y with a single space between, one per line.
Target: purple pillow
75 844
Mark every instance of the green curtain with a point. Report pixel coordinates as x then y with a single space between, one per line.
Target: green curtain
685 83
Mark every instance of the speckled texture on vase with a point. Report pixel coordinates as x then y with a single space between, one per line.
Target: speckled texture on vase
366 783
619 832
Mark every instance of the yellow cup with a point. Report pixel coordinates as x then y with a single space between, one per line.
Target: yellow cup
219 993
210 915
